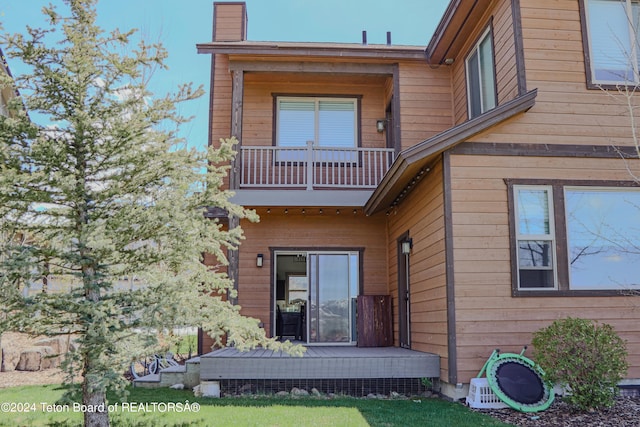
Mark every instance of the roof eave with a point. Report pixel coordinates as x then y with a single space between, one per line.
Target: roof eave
335 50
457 23
414 158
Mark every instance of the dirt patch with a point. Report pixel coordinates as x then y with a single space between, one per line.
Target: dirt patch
18 378
625 413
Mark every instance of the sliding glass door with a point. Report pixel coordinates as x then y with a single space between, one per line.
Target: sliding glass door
315 296
333 289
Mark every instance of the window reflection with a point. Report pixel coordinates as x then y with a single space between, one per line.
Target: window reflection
603 232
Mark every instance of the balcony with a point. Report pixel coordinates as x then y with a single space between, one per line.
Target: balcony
313 168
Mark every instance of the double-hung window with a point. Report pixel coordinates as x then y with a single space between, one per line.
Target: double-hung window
481 87
535 237
612 28
329 123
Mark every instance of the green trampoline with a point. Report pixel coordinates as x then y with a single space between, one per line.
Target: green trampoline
517 381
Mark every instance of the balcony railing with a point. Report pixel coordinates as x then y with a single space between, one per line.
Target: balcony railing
313 167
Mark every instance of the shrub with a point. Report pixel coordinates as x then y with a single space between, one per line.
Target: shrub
586 357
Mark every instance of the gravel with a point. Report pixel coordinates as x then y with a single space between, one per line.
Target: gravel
625 413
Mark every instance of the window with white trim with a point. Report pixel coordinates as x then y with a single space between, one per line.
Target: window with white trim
481 87
328 122
612 27
535 237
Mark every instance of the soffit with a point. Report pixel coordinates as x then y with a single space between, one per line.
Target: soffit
458 22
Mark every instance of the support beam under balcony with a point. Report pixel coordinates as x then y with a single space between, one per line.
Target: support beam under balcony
236 125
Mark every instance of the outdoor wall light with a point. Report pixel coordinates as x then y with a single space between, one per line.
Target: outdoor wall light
259 260
381 124
406 246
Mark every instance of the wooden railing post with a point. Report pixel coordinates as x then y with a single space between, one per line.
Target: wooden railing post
310 165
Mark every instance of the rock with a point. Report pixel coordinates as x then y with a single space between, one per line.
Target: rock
316 392
396 395
58 344
178 386
245 389
375 396
298 392
51 360
282 394
34 359
10 359
196 391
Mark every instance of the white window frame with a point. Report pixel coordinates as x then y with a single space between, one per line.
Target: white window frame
633 55
550 237
316 139
487 34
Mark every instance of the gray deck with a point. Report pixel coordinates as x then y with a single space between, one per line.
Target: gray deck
319 363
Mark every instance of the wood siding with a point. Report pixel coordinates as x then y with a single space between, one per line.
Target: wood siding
425 102
499 17
566 112
258 114
422 214
230 22
487 316
308 230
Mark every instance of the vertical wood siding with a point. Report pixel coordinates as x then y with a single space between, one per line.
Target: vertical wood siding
312 229
487 316
422 214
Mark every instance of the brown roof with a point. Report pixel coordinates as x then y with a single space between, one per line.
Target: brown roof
454 28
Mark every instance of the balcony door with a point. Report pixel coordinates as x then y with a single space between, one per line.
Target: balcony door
333 283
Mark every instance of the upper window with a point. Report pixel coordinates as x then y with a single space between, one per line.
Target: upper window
481 87
612 33
327 122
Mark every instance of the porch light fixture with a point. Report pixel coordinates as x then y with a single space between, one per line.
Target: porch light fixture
381 124
259 260
406 246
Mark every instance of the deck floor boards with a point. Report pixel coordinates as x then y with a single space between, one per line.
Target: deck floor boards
320 362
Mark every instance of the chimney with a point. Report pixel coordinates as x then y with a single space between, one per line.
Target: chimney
388 38
229 21
364 37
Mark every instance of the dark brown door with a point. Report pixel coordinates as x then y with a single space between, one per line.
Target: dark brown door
404 302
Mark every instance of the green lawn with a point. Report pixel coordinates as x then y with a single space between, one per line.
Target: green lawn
164 407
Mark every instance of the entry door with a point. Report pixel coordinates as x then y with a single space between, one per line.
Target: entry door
333 291
404 302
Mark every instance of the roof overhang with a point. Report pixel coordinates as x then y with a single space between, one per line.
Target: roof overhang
454 29
413 160
318 50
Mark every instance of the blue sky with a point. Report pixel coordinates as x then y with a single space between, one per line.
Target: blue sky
179 25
